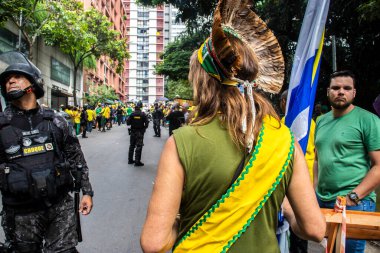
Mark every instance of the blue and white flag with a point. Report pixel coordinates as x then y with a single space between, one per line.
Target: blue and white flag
305 70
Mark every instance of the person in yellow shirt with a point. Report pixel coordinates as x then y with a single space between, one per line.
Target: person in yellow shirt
106 116
90 118
69 111
76 117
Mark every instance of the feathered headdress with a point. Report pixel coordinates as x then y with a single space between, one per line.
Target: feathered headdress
219 58
236 18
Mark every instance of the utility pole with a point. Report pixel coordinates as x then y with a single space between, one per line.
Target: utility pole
333 45
19 33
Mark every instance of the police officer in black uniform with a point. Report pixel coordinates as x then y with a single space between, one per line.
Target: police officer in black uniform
39 157
157 116
139 123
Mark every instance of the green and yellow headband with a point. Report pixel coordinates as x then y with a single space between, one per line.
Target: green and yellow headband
210 64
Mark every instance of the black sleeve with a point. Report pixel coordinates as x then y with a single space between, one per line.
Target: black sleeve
182 118
145 118
73 152
169 117
129 119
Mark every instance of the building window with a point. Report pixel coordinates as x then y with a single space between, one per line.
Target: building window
60 72
142 64
142 23
142 56
142 31
142 39
9 41
143 14
142 82
142 47
142 73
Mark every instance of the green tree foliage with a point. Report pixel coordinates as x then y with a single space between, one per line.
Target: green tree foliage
175 64
83 34
358 44
188 9
179 88
284 18
354 23
101 94
370 10
29 16
177 54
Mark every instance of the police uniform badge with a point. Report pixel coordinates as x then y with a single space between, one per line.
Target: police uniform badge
12 149
49 146
26 142
33 150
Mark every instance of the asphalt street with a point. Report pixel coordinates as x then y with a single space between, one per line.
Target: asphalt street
122 191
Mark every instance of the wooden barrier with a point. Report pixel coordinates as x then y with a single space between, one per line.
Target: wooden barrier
360 225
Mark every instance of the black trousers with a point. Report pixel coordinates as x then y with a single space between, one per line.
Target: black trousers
136 144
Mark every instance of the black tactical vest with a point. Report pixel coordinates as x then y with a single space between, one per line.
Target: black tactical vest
137 120
34 170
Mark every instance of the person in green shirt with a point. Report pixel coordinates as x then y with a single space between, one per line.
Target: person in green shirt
129 110
347 162
98 112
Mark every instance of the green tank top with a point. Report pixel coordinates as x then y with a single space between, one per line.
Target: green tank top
210 159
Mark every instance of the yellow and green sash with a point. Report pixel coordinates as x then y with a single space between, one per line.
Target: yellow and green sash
219 228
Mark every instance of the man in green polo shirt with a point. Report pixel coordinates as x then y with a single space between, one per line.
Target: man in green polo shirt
347 142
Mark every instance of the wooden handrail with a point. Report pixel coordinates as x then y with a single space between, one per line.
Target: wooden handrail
360 225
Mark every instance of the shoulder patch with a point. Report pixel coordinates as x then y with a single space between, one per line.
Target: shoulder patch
4 121
48 114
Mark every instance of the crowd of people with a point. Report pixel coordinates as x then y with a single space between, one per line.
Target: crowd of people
103 116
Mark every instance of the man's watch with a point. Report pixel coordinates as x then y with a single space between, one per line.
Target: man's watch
354 197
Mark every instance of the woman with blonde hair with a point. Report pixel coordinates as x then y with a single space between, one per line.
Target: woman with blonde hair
221 180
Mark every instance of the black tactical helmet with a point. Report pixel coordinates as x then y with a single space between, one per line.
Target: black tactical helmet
139 104
29 71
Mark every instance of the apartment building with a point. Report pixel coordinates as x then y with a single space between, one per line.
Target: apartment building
145 28
173 27
104 74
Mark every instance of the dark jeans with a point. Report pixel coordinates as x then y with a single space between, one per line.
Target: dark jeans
119 119
89 126
157 127
352 246
297 245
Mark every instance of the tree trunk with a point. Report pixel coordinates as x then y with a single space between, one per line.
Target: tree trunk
30 46
75 85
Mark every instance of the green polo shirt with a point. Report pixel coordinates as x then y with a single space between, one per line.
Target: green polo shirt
343 144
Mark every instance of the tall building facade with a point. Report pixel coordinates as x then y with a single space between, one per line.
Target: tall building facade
145 33
173 27
104 74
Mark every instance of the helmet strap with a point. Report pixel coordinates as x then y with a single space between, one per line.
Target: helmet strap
28 90
16 94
